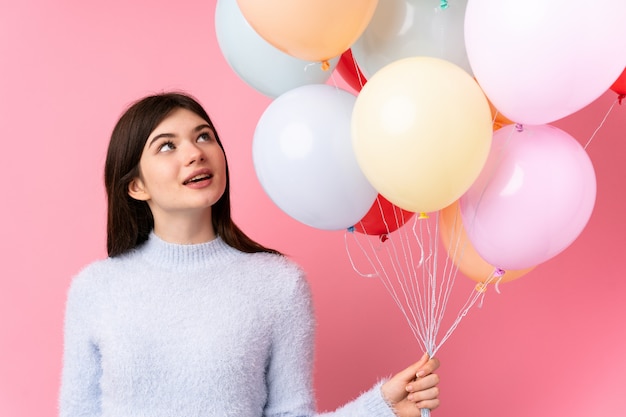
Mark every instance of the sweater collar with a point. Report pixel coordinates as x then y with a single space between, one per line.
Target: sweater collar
176 256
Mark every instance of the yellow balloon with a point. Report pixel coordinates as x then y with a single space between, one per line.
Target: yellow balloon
421 132
312 30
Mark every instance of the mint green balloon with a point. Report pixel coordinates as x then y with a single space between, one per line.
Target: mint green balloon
261 65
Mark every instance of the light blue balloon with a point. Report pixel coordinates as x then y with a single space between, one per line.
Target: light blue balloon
303 157
261 65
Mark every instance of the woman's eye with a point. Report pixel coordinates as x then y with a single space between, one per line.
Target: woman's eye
204 137
167 146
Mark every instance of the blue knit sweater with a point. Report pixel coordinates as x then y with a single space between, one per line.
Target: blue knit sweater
193 330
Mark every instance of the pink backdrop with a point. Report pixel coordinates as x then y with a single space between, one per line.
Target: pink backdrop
551 343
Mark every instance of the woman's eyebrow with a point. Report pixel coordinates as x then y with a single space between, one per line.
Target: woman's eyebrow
159 136
202 127
172 135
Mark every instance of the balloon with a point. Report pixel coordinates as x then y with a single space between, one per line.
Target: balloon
263 67
421 130
619 86
532 199
498 118
405 28
382 218
350 71
560 55
460 250
304 160
313 30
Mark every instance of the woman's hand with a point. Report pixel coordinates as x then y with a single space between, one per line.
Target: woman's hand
413 388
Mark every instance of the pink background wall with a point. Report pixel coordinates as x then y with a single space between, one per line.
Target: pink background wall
552 343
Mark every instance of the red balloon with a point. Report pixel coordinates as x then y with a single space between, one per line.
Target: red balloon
619 86
382 218
349 71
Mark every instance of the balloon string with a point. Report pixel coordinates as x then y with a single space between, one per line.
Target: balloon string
408 268
414 313
618 100
495 117
448 274
472 299
402 300
401 281
334 81
345 239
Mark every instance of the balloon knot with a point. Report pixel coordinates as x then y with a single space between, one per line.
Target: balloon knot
620 98
444 4
383 238
351 229
481 287
519 127
422 216
499 272
325 65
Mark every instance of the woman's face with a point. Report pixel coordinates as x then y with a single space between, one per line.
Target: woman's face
182 168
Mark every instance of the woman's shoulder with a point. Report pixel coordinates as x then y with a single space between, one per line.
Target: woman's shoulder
93 276
272 264
101 267
274 272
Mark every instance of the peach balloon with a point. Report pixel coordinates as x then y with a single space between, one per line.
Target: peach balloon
313 30
460 249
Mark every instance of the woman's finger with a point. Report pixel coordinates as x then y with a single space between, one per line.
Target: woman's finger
430 404
427 368
423 385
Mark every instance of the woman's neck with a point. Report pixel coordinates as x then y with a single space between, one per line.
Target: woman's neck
184 228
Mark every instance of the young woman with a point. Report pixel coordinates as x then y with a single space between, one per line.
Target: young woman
188 316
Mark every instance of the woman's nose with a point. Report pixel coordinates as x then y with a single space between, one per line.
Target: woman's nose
193 154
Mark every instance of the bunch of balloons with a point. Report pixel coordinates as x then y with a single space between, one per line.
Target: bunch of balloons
450 114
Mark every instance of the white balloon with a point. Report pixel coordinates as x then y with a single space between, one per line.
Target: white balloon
539 61
261 65
303 157
405 28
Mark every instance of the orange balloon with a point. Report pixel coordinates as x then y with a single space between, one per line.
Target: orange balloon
460 249
498 118
312 30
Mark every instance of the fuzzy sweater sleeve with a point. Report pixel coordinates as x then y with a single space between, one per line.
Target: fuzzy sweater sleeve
80 389
290 368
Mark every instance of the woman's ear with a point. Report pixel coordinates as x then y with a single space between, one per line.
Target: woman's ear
136 190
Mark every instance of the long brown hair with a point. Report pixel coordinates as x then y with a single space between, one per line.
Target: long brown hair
130 221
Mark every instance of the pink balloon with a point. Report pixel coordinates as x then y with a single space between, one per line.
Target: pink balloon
539 61
532 199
